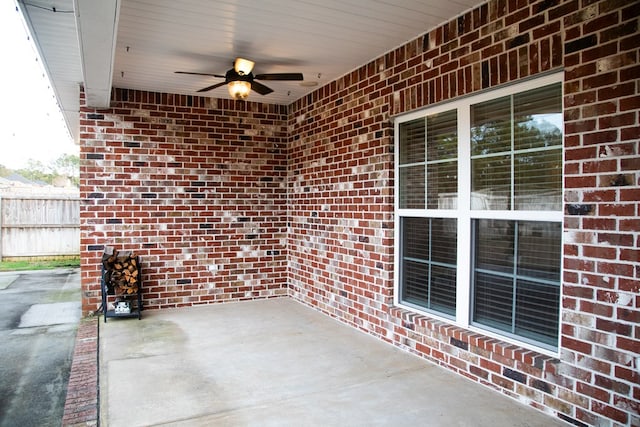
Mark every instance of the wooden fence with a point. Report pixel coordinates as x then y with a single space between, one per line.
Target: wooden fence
39 226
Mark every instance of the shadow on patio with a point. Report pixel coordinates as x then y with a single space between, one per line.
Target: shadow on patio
277 362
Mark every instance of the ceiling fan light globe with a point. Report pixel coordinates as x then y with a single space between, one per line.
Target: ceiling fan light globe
243 66
239 89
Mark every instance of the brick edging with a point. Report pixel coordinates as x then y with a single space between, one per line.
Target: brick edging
81 405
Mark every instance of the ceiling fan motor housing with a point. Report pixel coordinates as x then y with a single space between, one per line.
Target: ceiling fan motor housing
233 76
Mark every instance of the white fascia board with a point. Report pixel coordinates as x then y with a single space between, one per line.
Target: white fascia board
97 26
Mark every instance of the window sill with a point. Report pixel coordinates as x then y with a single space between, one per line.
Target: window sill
448 334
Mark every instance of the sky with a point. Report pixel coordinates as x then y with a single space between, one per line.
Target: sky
31 124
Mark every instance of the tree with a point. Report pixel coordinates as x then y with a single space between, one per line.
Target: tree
68 165
36 172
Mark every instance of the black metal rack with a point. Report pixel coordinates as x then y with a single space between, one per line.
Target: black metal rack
134 300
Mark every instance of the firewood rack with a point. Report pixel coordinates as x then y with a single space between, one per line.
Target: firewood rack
110 295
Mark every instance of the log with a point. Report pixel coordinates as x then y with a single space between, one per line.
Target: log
121 272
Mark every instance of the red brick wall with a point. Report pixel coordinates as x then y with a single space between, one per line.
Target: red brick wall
341 197
195 186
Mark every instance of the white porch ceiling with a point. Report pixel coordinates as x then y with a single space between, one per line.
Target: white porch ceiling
139 44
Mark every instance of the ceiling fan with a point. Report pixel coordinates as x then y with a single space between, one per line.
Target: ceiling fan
241 80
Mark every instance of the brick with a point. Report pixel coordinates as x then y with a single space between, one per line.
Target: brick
593 392
602 310
620 209
609 412
514 375
580 71
600 195
627 374
619 91
612 385
630 42
615 239
618 31
557 404
580 44
631 255
576 345
612 326
542 386
616 269
580 182
628 315
601 22
626 404
502 382
578 291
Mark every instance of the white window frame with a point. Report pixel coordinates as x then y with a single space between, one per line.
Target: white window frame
464 214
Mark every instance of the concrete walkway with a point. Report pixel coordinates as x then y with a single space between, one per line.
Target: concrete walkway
279 363
39 315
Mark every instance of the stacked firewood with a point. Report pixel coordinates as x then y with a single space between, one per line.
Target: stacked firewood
121 272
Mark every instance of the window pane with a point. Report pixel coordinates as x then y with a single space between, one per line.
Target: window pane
491 127
494 245
412 187
539 247
516 278
442 165
428 277
444 236
442 136
415 242
415 286
442 185
538 118
412 141
538 180
491 183
528 179
493 301
415 254
443 290
537 311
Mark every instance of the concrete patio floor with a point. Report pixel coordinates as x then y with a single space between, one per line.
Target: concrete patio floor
279 363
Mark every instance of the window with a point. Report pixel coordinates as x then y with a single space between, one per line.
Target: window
479 211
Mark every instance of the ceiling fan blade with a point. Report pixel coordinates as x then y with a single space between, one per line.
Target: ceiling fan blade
280 76
199 74
208 88
260 88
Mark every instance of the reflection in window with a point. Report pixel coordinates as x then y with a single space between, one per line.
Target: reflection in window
516 146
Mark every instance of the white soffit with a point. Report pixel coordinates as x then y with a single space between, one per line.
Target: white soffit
53 28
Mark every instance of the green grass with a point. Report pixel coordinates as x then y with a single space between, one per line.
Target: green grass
23 265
